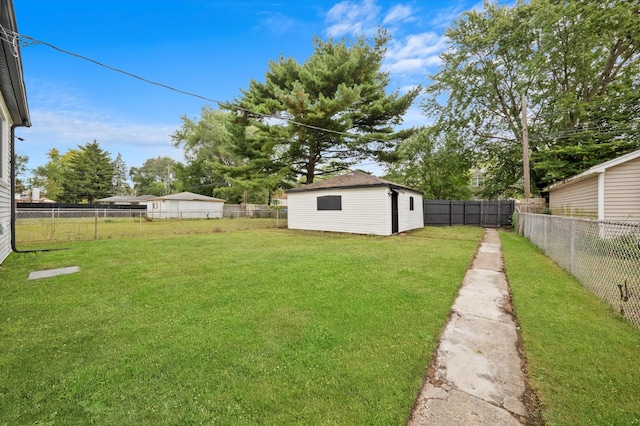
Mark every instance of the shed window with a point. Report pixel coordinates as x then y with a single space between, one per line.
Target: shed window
330 202
410 203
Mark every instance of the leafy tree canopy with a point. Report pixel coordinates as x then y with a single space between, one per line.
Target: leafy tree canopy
154 177
435 162
48 177
577 62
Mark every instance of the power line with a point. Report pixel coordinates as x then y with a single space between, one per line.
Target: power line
13 38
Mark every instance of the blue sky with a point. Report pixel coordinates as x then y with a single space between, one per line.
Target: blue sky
209 47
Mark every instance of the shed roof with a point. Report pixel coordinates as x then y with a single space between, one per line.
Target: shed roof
125 199
187 196
12 84
600 168
353 179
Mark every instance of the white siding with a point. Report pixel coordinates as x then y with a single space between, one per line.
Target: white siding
185 209
5 184
578 199
622 192
364 211
408 219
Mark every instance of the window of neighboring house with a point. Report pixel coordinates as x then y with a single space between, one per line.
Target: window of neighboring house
477 181
330 202
410 203
155 205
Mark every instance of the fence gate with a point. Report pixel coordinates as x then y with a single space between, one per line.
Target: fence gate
490 214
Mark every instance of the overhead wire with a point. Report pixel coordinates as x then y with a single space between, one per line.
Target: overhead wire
13 37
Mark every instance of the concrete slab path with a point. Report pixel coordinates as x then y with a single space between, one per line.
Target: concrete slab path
49 273
477 376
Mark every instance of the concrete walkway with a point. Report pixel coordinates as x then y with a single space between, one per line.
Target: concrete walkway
476 377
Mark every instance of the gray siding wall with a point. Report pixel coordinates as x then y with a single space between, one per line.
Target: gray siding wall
578 199
622 192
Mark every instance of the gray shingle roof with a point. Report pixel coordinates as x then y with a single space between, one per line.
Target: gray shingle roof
187 196
353 179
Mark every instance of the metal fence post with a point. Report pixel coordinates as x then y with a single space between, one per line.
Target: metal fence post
95 226
544 233
573 246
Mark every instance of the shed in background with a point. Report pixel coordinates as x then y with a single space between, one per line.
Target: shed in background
184 205
357 203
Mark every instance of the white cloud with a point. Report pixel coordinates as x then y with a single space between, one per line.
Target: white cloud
350 18
415 54
276 23
78 128
398 13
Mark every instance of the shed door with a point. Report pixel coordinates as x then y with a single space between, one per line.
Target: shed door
394 212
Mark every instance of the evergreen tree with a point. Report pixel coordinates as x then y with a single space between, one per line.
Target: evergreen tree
120 185
88 175
340 88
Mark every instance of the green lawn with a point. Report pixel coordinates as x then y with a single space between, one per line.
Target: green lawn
260 326
583 357
62 231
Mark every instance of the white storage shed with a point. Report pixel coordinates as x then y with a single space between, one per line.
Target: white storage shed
184 205
357 203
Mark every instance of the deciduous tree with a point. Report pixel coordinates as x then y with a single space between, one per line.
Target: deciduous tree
435 162
154 177
577 62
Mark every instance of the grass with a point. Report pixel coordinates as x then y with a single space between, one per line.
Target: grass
59 232
582 355
261 326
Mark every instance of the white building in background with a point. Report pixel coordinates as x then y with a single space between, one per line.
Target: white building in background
357 203
184 205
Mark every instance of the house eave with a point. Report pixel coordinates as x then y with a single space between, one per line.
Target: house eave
593 171
11 76
341 187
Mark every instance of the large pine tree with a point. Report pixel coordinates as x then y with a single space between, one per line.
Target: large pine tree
87 175
334 110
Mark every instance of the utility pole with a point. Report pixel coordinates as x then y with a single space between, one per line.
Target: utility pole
525 150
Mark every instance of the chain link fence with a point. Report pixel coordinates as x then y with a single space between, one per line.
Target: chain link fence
604 256
51 228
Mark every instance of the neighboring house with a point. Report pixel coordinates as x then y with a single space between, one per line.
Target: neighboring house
608 191
279 199
477 179
32 196
477 182
185 205
122 200
14 112
356 202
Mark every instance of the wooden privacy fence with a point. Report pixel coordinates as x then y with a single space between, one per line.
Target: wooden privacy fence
491 214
